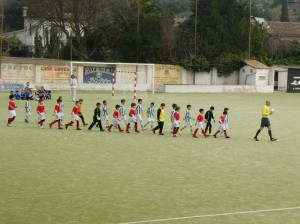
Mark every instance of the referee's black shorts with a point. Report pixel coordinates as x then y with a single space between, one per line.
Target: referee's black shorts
265 122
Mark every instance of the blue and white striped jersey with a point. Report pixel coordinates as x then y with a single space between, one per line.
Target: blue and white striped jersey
138 109
104 110
187 117
150 112
122 110
27 106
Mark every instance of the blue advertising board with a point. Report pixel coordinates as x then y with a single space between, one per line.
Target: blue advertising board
98 74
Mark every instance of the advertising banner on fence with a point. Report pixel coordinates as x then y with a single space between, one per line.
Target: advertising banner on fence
17 73
293 81
98 74
167 74
55 74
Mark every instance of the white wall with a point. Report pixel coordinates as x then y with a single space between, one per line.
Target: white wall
262 77
209 78
217 89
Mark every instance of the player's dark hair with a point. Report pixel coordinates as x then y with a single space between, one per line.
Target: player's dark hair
177 108
123 100
201 110
11 96
162 104
188 106
27 98
133 104
152 103
117 106
212 107
76 102
80 100
226 109
104 101
225 112
98 104
174 105
58 100
139 100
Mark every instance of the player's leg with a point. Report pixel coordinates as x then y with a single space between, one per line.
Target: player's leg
263 123
161 126
53 122
195 133
92 124
207 126
270 134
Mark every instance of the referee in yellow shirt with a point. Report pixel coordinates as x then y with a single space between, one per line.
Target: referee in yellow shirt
265 122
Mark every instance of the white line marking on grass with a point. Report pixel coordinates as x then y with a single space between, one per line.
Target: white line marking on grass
212 215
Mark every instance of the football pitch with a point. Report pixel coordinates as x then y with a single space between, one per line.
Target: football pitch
68 176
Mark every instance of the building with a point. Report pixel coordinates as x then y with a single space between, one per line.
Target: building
287 31
254 73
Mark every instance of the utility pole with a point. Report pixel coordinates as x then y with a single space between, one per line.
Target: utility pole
250 14
71 32
196 23
138 31
1 38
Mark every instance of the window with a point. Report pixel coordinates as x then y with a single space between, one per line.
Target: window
243 70
262 78
251 70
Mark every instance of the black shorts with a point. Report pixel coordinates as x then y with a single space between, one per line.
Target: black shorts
265 122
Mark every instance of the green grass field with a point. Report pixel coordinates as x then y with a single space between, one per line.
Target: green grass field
69 176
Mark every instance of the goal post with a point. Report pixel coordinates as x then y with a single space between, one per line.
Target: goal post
124 78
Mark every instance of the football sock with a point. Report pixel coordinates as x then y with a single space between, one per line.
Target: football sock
135 126
191 130
270 134
8 120
216 133
181 129
225 133
12 119
195 132
257 133
77 124
203 132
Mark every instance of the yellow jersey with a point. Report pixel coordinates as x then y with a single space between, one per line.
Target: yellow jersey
162 115
265 112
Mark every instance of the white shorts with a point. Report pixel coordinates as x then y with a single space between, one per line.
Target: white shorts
75 118
150 119
57 116
41 116
139 117
115 122
11 113
61 114
200 125
132 120
188 123
175 123
104 118
222 127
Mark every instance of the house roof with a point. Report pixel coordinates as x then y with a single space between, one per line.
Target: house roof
256 64
285 29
